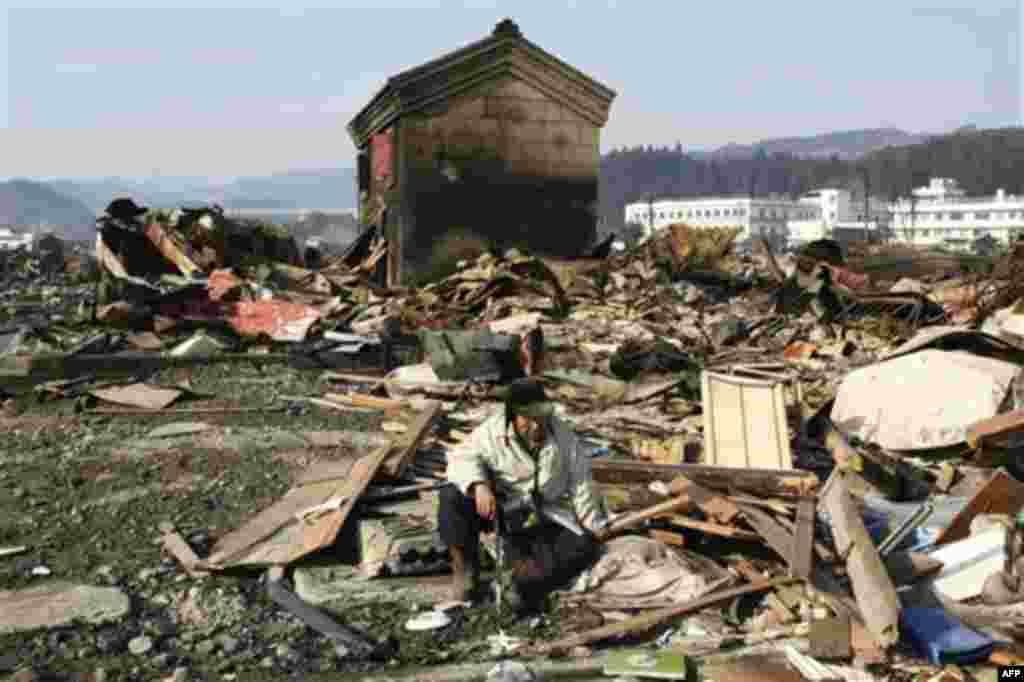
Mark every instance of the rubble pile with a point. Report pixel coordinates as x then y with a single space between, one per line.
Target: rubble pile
812 461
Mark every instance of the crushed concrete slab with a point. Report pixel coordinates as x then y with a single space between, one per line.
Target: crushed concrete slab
60 603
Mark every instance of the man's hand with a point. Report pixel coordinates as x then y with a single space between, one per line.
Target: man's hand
486 505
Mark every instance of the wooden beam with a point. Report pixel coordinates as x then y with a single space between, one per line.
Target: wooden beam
713 528
981 432
876 596
643 623
634 519
714 505
180 550
777 537
1001 495
803 541
405 448
759 482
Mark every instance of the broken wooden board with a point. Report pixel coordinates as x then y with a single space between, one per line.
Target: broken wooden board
777 537
715 506
803 540
876 595
180 550
1001 495
274 535
406 444
632 520
325 495
745 423
987 431
760 482
713 528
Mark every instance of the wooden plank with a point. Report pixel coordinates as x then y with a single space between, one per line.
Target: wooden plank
777 537
872 587
329 478
634 519
324 531
760 482
180 550
1001 495
716 506
643 623
987 430
803 541
713 528
405 447
667 537
368 401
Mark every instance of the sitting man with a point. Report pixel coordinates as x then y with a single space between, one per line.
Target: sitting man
523 473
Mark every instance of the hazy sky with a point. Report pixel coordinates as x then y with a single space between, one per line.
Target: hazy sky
246 90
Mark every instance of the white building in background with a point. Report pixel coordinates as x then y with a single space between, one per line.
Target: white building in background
839 215
10 240
766 218
942 215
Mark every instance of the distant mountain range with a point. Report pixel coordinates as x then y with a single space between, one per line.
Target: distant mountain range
23 203
72 203
847 145
328 188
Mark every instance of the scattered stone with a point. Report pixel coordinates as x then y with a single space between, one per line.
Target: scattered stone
25 675
60 603
206 647
8 662
140 645
180 674
285 652
228 644
110 641
41 571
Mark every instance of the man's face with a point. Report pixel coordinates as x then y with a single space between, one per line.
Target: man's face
530 429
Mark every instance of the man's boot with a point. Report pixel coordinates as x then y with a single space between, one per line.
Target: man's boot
465 572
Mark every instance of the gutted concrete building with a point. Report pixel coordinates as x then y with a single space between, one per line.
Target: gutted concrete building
497 142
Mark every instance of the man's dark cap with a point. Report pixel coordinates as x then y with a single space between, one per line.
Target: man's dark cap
124 208
527 397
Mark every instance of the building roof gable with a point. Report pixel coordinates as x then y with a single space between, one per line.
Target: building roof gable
502 54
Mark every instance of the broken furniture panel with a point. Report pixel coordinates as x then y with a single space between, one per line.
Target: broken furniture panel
745 424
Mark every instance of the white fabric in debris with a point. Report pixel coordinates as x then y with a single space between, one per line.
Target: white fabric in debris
922 400
642 572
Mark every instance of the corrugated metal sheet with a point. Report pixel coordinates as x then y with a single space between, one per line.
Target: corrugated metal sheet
745 422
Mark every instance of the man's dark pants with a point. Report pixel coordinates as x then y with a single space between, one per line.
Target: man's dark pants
540 558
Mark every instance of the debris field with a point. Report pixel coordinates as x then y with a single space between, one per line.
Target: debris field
218 463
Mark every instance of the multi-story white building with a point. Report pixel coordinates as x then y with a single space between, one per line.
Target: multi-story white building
766 218
942 215
837 214
10 240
